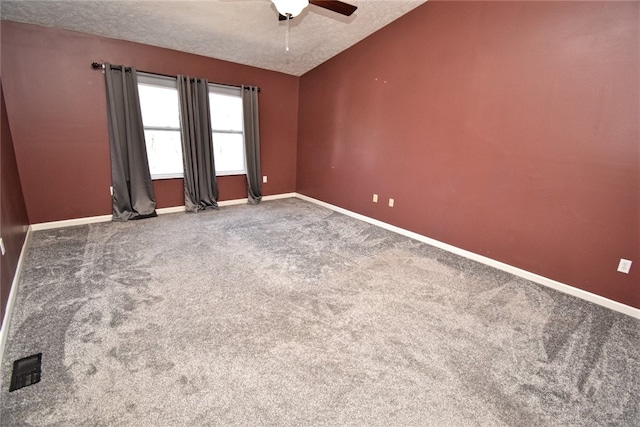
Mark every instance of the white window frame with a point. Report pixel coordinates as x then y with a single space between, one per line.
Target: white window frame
230 91
170 82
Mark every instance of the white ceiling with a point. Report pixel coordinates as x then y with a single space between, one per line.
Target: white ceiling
242 31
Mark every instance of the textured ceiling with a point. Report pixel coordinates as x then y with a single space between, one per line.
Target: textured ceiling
243 31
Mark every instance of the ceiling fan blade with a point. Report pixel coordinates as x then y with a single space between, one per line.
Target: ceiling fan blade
335 6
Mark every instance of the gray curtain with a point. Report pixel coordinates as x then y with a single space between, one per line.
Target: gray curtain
252 143
200 185
133 196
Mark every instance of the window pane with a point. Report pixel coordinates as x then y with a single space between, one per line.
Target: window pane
164 150
159 106
226 112
228 153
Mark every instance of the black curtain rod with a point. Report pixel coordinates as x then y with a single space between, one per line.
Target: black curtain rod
97 65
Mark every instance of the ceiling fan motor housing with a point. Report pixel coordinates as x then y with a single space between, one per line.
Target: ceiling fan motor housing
290 8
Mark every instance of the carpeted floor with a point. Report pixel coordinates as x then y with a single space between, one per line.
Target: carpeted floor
287 313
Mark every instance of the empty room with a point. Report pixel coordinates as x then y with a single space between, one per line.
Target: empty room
292 212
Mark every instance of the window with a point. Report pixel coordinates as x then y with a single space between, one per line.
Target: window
161 119
227 129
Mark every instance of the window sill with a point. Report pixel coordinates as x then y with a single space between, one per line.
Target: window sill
181 176
166 176
231 173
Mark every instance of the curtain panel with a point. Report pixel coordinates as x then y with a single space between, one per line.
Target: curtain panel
200 183
252 143
133 196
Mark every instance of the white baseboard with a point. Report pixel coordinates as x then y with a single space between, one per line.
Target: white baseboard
173 209
564 288
70 222
279 196
4 330
232 202
160 211
92 219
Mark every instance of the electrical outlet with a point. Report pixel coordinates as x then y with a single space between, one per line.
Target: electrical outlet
375 198
624 266
264 179
2 246
391 203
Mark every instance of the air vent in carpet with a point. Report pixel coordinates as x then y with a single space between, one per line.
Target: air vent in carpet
26 371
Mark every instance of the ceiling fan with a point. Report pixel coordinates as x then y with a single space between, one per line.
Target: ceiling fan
289 9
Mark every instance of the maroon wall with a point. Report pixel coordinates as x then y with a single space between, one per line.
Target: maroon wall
57 111
13 214
509 129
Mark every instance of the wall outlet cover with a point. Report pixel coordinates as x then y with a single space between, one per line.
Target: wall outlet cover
624 266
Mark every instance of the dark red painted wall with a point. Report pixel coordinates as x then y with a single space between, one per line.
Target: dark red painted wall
13 213
57 110
509 129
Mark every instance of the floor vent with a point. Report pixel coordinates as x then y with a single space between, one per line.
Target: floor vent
26 371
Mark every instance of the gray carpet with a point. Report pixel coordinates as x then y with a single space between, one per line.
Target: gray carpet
287 313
